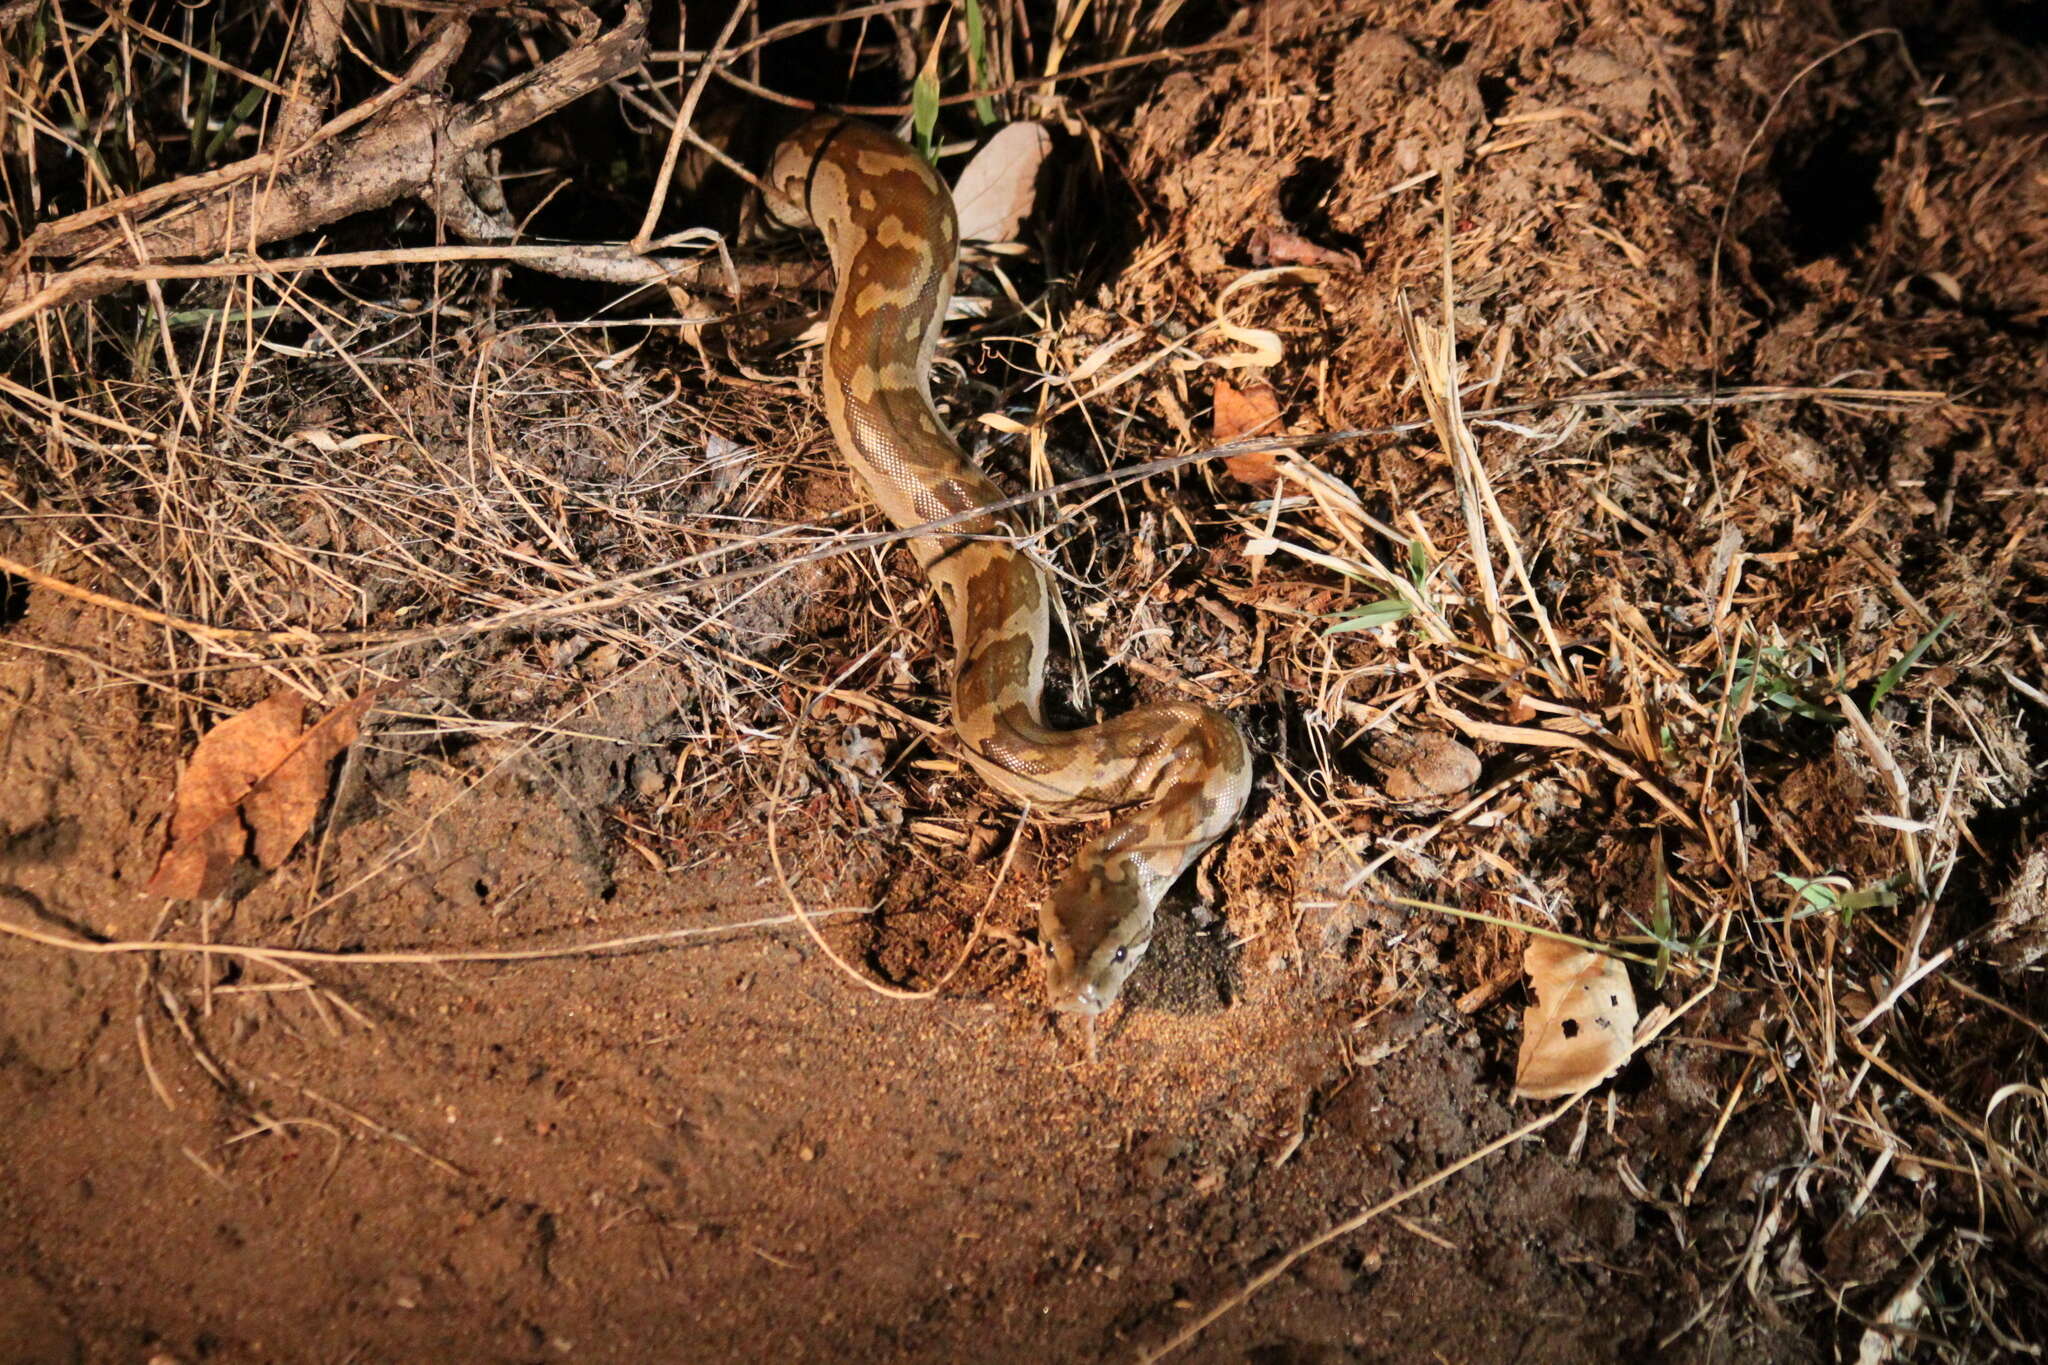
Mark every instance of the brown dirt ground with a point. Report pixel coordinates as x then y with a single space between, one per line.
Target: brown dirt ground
722 1149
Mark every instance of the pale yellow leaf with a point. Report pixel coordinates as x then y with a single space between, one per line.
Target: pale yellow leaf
1906 1307
327 443
1099 357
1000 185
1582 1025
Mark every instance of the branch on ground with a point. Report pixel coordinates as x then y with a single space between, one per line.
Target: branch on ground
410 140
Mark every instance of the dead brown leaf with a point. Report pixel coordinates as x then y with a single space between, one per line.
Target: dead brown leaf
1279 246
1253 410
207 834
1582 1025
260 771
281 808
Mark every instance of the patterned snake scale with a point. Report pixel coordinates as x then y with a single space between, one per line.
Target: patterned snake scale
1176 773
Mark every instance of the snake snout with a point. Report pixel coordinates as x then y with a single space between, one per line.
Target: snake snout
1068 989
1075 997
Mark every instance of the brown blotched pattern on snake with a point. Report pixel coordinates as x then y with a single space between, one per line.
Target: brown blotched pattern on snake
1178 773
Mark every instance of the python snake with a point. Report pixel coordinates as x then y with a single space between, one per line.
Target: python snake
1176 773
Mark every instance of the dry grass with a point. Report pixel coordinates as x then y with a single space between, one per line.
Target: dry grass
1742 715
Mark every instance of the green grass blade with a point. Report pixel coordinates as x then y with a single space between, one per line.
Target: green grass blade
924 103
977 61
1896 674
237 116
1384 612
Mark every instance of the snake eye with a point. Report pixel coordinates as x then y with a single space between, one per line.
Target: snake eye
1050 949
1120 954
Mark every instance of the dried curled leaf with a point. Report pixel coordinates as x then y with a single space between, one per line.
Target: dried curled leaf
1582 1025
1265 345
207 835
259 772
1279 246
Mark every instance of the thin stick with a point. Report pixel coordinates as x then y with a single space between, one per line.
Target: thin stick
381 1130
17 569
609 262
1713 1143
659 195
256 953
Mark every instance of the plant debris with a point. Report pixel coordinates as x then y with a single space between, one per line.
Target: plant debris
1581 1024
999 187
255 782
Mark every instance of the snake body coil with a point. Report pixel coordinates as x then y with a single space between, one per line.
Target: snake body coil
1177 773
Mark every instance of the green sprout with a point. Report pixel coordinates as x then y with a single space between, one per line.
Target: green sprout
1386 610
1418 564
1792 677
1838 896
924 103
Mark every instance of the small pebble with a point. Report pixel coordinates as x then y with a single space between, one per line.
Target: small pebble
649 776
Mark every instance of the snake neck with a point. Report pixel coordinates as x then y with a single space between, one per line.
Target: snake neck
889 225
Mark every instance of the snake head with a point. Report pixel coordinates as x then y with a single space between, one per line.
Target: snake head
1095 926
794 165
784 188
